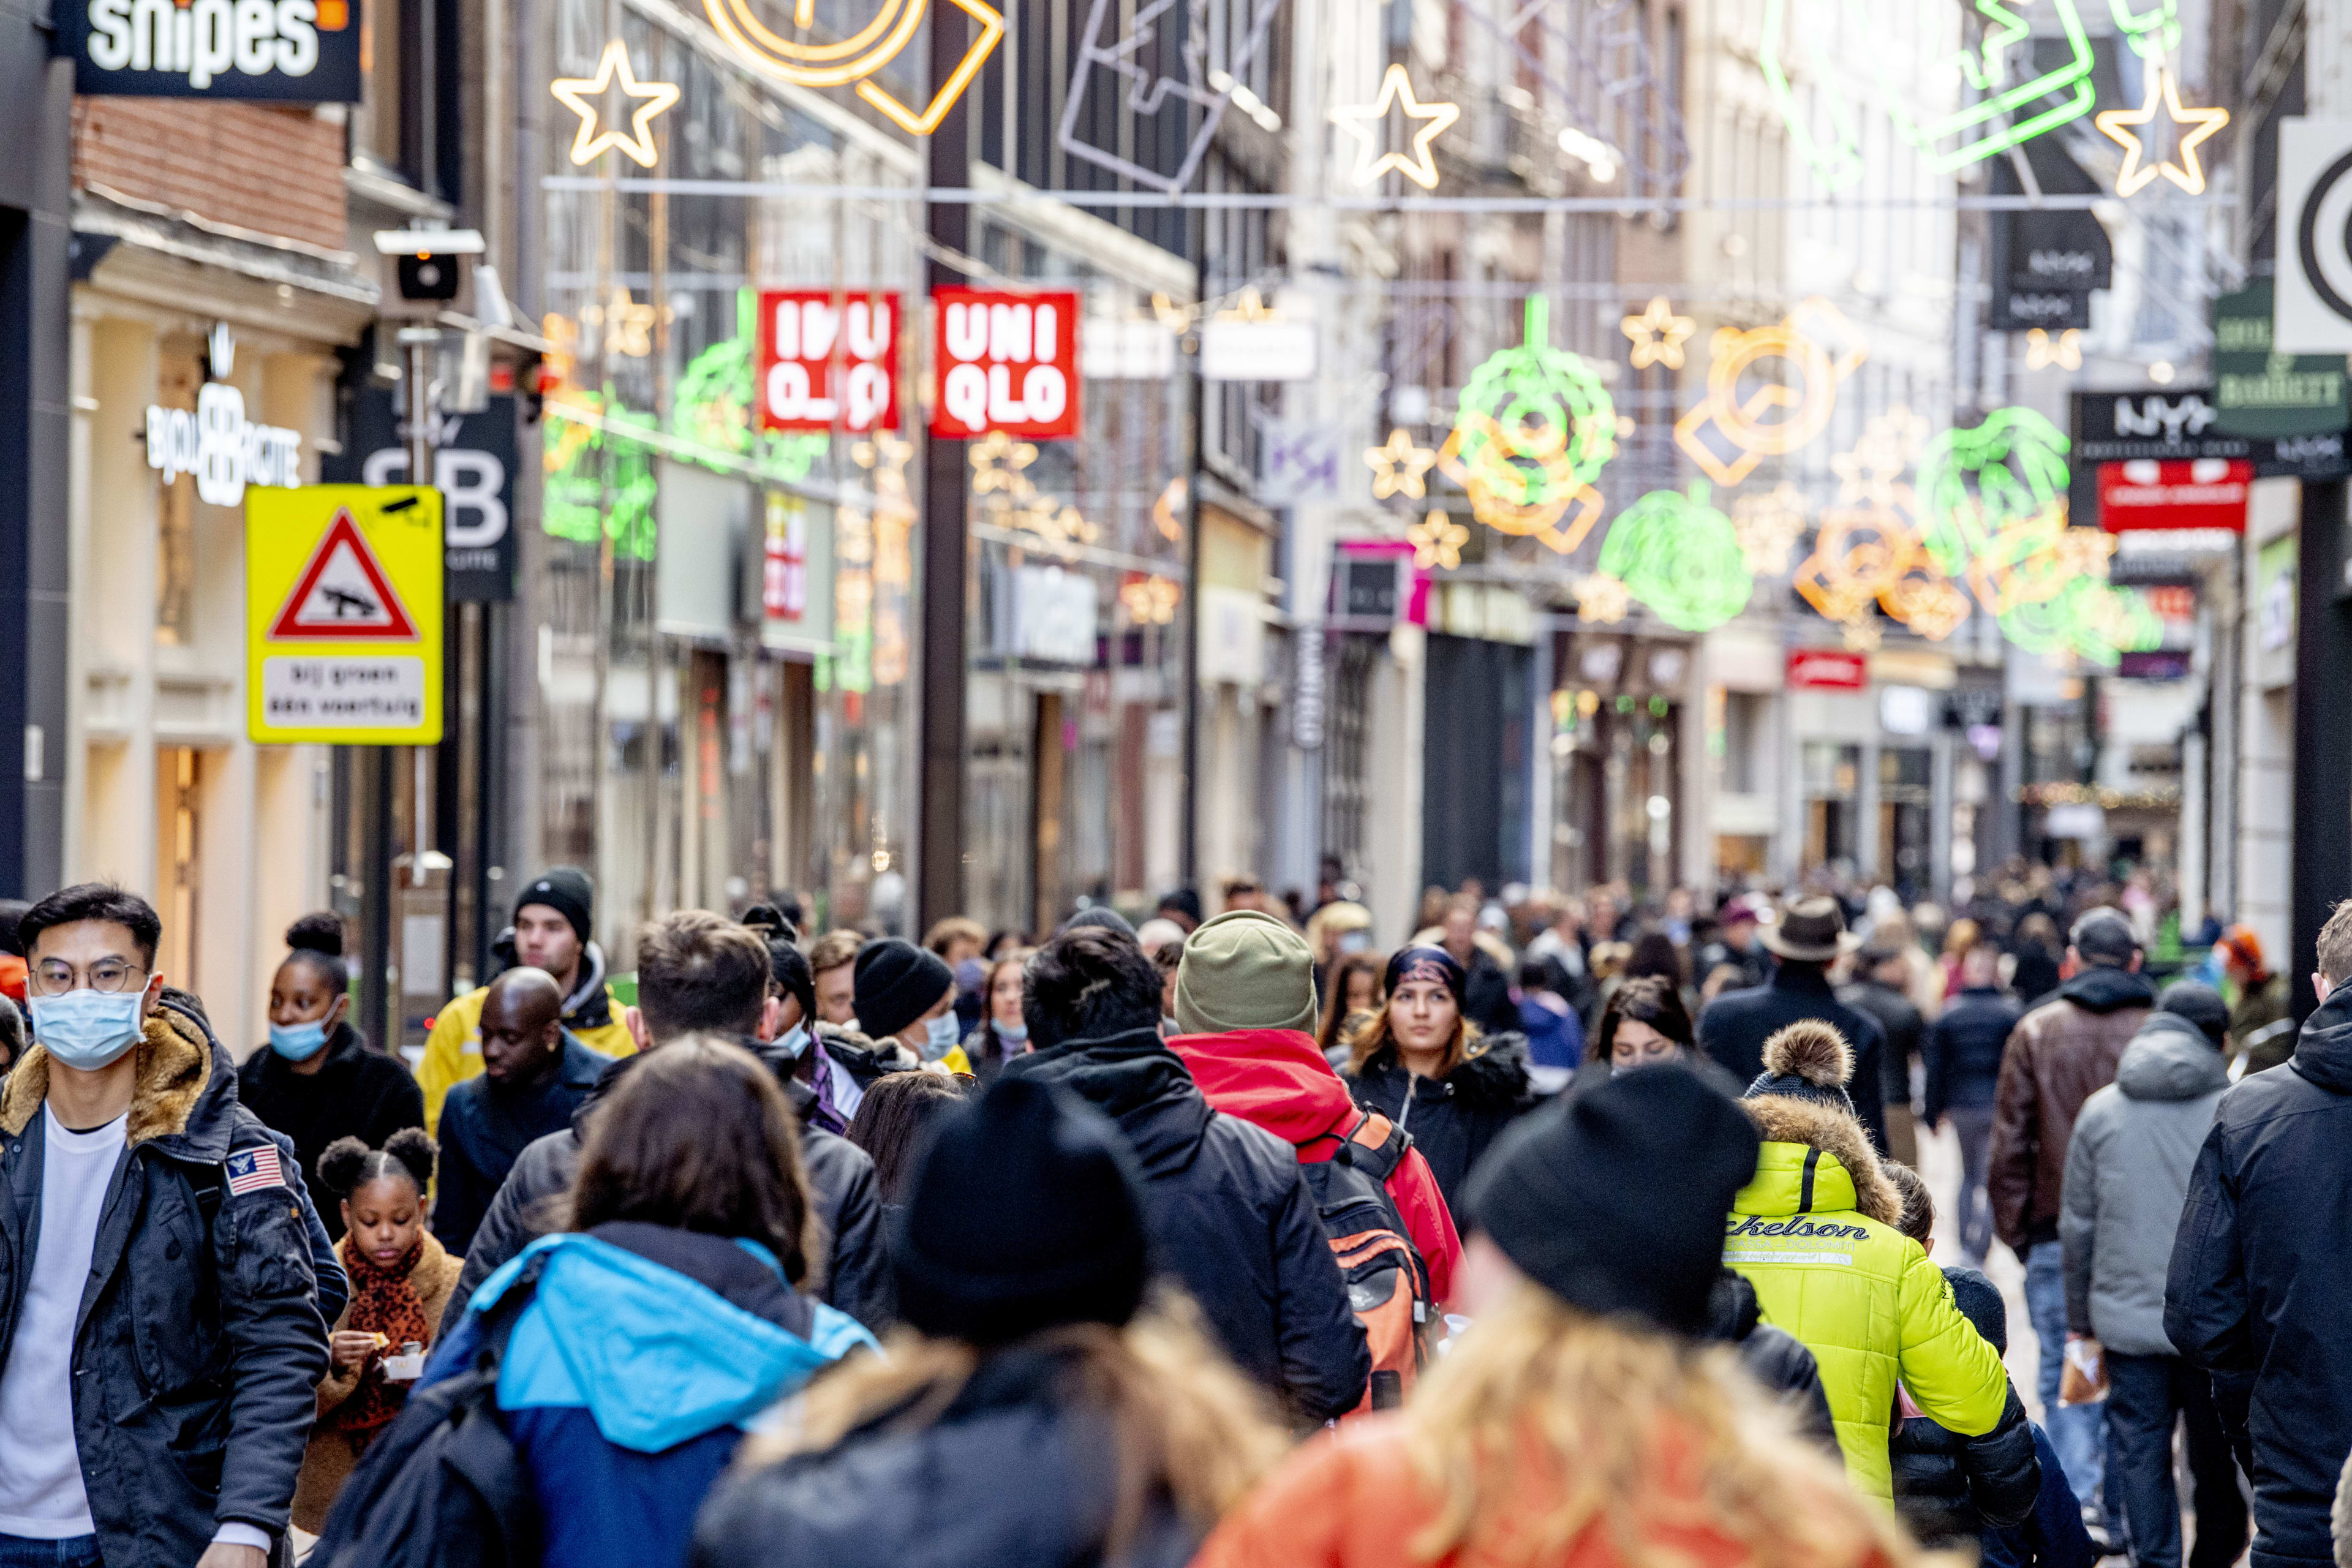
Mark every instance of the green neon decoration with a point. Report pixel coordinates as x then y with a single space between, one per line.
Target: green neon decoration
2152 34
713 404
1973 484
2006 114
2094 620
1535 423
581 462
1681 557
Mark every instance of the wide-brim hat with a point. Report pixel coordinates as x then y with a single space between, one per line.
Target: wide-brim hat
1811 931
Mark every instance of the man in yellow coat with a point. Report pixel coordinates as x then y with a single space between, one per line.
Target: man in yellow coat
554 920
1815 1233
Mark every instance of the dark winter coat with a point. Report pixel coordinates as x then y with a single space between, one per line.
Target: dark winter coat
1906 1034
1775 1358
201 1338
356 1094
2060 1055
2261 1278
1964 1050
1009 1473
1453 1119
1232 1217
485 1129
1486 994
1736 1024
1951 1489
841 1180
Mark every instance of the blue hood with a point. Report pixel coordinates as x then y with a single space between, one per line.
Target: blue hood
654 1355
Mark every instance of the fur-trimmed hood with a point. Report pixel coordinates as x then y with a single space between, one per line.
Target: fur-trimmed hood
1809 1124
184 1090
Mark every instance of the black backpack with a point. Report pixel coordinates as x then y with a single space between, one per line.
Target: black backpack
442 1488
1387 1283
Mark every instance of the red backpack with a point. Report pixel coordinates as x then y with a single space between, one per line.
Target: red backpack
1387 1283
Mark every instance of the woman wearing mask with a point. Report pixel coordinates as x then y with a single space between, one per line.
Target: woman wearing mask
1354 990
317 1081
1426 1068
1004 1033
1037 1412
400 1278
673 1294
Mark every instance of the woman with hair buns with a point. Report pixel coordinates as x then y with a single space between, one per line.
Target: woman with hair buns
316 1080
400 1278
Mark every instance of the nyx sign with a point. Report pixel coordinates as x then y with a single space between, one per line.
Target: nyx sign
2015 309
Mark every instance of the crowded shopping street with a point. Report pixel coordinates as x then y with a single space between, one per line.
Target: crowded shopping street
1176 784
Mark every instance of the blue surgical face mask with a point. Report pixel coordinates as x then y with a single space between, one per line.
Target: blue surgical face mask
1013 1033
298 1042
793 1042
940 1036
87 1029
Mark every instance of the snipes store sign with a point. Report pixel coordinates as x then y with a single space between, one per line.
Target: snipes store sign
292 51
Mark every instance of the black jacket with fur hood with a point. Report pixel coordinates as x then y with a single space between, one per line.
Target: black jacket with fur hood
1453 1119
201 1340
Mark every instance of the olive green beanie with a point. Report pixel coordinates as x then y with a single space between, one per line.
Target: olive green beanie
1245 970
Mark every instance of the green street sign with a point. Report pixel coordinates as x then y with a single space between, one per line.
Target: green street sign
2259 391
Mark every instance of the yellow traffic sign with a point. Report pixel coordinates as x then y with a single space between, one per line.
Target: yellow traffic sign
343 615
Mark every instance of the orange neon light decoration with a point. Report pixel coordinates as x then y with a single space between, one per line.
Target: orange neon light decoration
861 55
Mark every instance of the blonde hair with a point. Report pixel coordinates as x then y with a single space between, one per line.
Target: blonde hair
1185 1425
1546 1422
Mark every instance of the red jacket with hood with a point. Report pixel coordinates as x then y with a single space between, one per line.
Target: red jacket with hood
1278 1080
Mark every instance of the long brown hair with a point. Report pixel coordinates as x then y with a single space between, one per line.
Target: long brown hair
1335 1006
1650 999
1184 1421
1371 1037
697 1136
1545 1422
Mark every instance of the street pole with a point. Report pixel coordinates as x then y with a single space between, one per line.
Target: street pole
2321 864
940 783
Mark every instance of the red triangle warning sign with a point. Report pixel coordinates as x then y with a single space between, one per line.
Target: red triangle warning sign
343 595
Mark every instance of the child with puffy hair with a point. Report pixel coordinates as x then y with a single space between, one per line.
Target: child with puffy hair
400 1278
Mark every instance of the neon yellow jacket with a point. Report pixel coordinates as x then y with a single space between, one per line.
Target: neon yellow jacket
1828 1266
453 1051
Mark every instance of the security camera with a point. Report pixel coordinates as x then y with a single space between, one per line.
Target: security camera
428 265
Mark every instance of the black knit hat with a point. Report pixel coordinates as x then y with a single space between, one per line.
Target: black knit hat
567 890
1424 963
1065 1242
897 983
2201 1006
1979 1300
1614 1200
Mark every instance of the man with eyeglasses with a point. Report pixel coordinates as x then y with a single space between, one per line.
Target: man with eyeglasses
160 1328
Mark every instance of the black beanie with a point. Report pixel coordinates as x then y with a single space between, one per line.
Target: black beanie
2201 1006
897 983
1614 1200
1979 1300
567 890
1066 1243
1099 915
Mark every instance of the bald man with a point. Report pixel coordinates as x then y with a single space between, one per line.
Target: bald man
535 1073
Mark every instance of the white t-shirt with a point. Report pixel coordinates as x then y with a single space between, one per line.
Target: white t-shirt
41 1495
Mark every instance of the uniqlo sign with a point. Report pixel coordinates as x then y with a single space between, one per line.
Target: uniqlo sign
828 361
1005 362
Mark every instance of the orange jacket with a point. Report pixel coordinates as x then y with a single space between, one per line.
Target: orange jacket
1276 1079
1353 1498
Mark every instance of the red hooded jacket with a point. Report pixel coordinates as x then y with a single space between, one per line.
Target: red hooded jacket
1278 1080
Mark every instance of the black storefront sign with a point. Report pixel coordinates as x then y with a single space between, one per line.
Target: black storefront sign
2046 261
2014 310
286 51
2259 392
2180 425
474 465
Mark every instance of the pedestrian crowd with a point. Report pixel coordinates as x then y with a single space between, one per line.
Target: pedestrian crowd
1568 1231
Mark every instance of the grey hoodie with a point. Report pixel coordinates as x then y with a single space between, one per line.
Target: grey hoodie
2127 1177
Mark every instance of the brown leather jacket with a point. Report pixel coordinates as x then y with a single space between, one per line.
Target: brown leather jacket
2060 1055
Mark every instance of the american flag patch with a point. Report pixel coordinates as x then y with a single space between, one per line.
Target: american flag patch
250 1170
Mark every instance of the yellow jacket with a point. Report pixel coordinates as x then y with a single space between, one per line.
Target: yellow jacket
1814 1233
453 1052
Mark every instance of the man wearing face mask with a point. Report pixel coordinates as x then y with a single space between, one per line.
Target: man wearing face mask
905 998
535 1074
317 1081
158 1351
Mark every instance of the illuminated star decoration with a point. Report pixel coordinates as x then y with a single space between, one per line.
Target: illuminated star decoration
1658 335
1437 540
1872 471
997 461
1364 121
628 326
1602 598
584 97
2192 126
1767 526
1397 467
2042 351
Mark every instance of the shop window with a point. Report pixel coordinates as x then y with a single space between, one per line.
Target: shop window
178 377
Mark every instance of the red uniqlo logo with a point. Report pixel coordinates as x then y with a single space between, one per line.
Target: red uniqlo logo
1005 362
828 361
